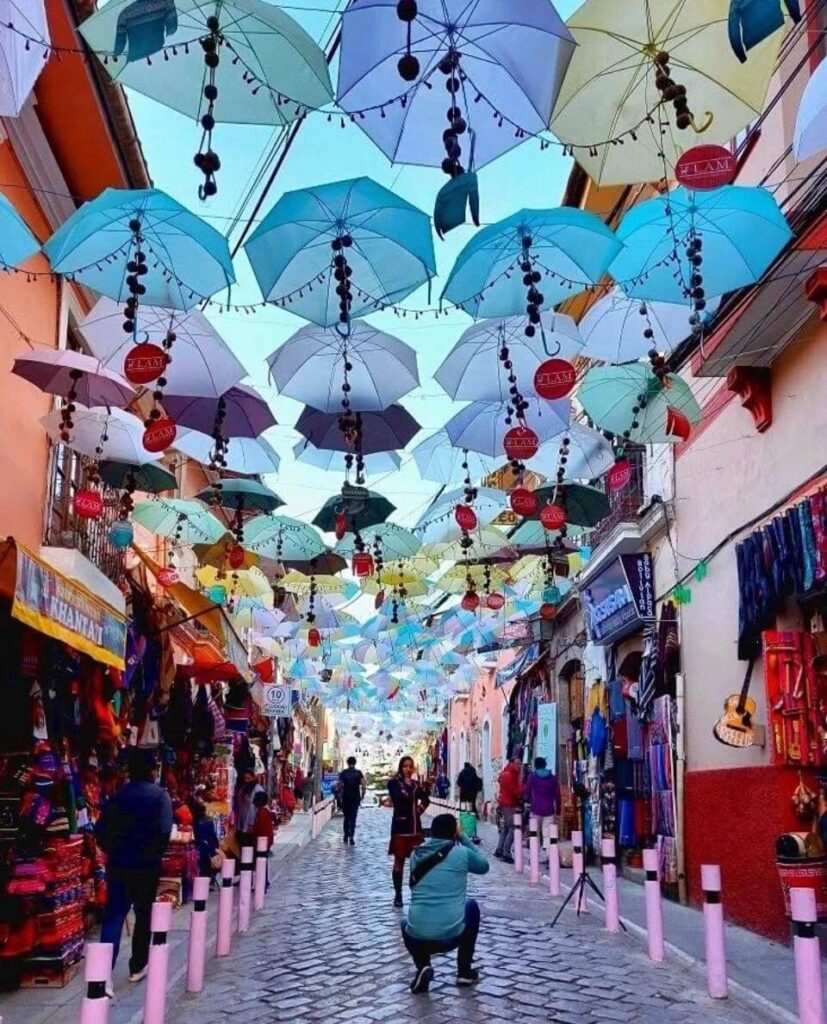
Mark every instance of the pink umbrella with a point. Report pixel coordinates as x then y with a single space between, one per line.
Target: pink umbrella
75 377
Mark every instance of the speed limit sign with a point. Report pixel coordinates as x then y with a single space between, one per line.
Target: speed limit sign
277 700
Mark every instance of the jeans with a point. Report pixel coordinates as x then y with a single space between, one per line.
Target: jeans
350 808
422 950
125 889
506 842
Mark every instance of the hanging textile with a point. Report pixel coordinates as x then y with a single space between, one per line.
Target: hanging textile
649 674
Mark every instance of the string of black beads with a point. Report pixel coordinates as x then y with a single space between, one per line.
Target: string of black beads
378 557
136 269
238 521
126 502
695 289
206 159
311 602
342 273
562 461
68 408
408 66
531 278
670 91
450 67
218 455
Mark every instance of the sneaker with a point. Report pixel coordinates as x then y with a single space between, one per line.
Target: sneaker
468 977
136 976
498 855
507 859
422 980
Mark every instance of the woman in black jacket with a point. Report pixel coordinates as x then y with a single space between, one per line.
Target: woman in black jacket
409 801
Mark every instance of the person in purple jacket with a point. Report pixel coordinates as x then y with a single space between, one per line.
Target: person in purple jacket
542 795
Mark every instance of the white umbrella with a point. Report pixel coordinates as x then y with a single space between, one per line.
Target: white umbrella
321 458
810 135
438 460
22 57
118 433
487 505
481 426
247 455
590 454
202 363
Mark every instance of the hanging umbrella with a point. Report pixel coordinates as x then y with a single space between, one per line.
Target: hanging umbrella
481 427
244 413
455 580
18 243
23 25
283 539
300 584
487 544
187 260
612 329
263 66
251 616
810 135
392 577
611 91
325 564
584 506
438 460
247 455
311 367
361 510
566 251
75 377
395 541
608 394
488 504
589 454
312 234
183 519
473 371
250 583
531 537
241 495
202 364
150 478
216 554
740 229
321 458
119 434
383 431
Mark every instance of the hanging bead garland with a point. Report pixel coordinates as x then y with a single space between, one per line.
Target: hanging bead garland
206 159
68 408
449 65
531 278
517 405
670 91
695 289
218 452
311 602
408 66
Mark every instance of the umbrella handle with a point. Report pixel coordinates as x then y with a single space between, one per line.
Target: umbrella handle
545 343
710 117
343 333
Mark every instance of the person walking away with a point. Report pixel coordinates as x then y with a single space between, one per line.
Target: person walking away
442 785
263 828
206 840
409 800
133 831
244 808
469 786
510 800
351 790
542 793
441 918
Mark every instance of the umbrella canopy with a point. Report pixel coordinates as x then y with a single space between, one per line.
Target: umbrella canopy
283 539
184 519
585 506
244 495
610 92
391 250
250 583
61 371
741 229
612 329
310 367
381 431
473 371
569 249
438 460
321 458
366 509
299 583
811 121
217 553
455 580
150 478
18 243
481 427
202 364
255 617
244 413
609 393
484 39
187 259
395 541
118 433
22 62
326 564
590 454
487 544
392 576
248 455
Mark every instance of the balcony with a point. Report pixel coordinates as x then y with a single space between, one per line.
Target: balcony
626 503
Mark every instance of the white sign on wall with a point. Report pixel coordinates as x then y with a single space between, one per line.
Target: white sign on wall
277 700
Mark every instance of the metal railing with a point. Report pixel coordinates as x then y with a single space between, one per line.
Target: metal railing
624 503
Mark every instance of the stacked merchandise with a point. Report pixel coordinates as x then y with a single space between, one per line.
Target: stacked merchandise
60 922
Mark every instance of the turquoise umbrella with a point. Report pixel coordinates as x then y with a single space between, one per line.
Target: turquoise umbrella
283 539
184 520
150 477
17 243
396 541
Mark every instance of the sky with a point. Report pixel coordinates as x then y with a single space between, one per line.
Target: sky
323 152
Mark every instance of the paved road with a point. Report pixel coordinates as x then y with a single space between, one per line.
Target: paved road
327 949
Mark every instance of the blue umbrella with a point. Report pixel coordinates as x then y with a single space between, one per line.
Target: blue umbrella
18 243
332 252
482 426
438 460
323 458
740 230
533 257
186 260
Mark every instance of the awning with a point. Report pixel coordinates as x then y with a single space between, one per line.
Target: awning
59 607
524 661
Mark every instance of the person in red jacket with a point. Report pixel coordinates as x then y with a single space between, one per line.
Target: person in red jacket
263 827
511 803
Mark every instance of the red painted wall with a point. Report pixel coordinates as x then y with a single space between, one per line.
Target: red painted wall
732 818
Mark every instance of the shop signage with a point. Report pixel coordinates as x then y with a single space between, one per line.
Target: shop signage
546 745
277 701
620 599
554 378
706 167
54 605
519 665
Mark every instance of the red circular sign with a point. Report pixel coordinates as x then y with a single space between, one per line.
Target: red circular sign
466 517
523 501
619 475
160 434
552 516
554 378
362 564
144 363
548 611
236 556
88 504
521 443
495 602
166 577
706 167
471 601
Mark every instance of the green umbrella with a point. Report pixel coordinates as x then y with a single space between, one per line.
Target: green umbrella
395 541
150 477
666 410
241 495
362 508
585 506
186 521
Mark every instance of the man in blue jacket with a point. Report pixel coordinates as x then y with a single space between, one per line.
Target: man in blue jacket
441 918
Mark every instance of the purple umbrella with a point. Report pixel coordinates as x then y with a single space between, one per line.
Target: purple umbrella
75 377
384 431
239 412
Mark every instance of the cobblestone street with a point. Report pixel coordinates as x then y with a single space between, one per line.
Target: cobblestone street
327 948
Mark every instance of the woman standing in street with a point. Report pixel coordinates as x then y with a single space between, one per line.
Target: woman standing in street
409 801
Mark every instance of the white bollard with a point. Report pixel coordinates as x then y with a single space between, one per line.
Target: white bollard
553 859
94 1008
714 934
610 891
580 904
807 956
262 853
654 910
533 851
197 951
517 849
245 889
155 996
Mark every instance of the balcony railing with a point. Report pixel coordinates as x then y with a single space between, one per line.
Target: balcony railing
624 503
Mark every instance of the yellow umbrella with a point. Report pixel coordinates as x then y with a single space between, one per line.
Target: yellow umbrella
250 583
298 583
455 580
216 554
413 583
486 542
610 89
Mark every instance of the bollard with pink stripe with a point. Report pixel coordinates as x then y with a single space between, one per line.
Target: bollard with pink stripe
517 848
533 850
223 939
262 853
714 935
94 1009
610 892
654 910
197 951
807 956
245 889
155 996
553 859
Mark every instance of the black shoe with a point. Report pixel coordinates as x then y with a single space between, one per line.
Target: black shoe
468 977
498 855
397 902
422 980
345 839
507 859
352 841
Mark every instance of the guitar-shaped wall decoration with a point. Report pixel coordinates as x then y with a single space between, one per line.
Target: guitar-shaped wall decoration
735 727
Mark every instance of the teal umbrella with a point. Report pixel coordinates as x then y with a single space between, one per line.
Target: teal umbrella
632 402
150 477
183 520
585 506
283 539
241 495
17 243
395 541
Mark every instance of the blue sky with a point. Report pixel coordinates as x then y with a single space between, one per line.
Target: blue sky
323 151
